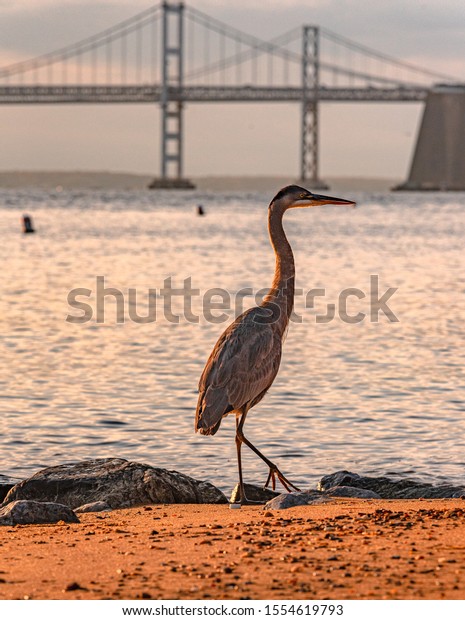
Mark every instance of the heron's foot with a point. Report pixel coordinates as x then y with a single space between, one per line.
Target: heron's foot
275 473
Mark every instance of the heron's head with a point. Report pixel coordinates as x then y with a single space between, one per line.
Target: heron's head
295 197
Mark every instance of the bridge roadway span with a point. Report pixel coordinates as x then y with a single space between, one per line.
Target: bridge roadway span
200 94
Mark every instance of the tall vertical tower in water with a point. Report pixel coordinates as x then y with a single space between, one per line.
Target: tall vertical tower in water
439 158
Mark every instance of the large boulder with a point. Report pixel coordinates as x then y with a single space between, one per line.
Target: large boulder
117 482
388 488
22 512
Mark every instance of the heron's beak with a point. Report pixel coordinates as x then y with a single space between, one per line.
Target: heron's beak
315 200
318 199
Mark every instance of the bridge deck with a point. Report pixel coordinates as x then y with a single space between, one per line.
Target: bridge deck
198 94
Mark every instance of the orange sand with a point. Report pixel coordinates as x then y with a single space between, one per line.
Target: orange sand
346 550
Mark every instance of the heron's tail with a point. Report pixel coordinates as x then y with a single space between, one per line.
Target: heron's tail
208 430
208 418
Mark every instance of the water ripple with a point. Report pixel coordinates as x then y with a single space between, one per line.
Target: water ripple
372 397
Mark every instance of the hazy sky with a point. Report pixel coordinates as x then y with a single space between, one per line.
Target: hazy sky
356 139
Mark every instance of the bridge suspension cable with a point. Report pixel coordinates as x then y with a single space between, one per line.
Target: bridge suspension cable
246 48
343 41
130 52
104 39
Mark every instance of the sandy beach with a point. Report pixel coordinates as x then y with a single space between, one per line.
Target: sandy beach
348 549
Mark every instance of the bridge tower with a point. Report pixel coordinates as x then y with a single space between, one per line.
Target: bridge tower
171 176
310 94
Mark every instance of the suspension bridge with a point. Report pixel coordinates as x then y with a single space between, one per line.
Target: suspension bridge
173 54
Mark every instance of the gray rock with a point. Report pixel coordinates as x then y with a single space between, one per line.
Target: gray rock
23 512
254 493
117 482
93 507
388 488
289 500
307 498
338 479
351 492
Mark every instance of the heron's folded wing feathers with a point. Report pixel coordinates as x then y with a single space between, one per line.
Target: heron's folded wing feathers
242 366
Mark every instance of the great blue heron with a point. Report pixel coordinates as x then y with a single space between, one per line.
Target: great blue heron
246 358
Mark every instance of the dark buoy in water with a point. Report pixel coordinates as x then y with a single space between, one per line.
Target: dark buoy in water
200 210
27 224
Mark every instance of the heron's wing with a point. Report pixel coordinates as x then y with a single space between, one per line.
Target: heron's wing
241 367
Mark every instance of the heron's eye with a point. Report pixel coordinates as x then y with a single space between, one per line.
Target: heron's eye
302 196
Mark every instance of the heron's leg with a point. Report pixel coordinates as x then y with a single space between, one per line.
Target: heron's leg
274 471
239 439
242 497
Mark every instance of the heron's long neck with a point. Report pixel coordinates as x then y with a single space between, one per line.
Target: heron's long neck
281 293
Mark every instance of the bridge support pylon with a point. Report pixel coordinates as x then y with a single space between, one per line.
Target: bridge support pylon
309 131
172 110
439 160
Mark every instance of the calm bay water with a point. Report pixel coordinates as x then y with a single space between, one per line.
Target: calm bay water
372 397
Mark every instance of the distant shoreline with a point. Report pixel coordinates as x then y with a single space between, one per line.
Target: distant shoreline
102 180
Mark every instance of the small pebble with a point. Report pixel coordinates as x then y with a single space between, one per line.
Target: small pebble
73 586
